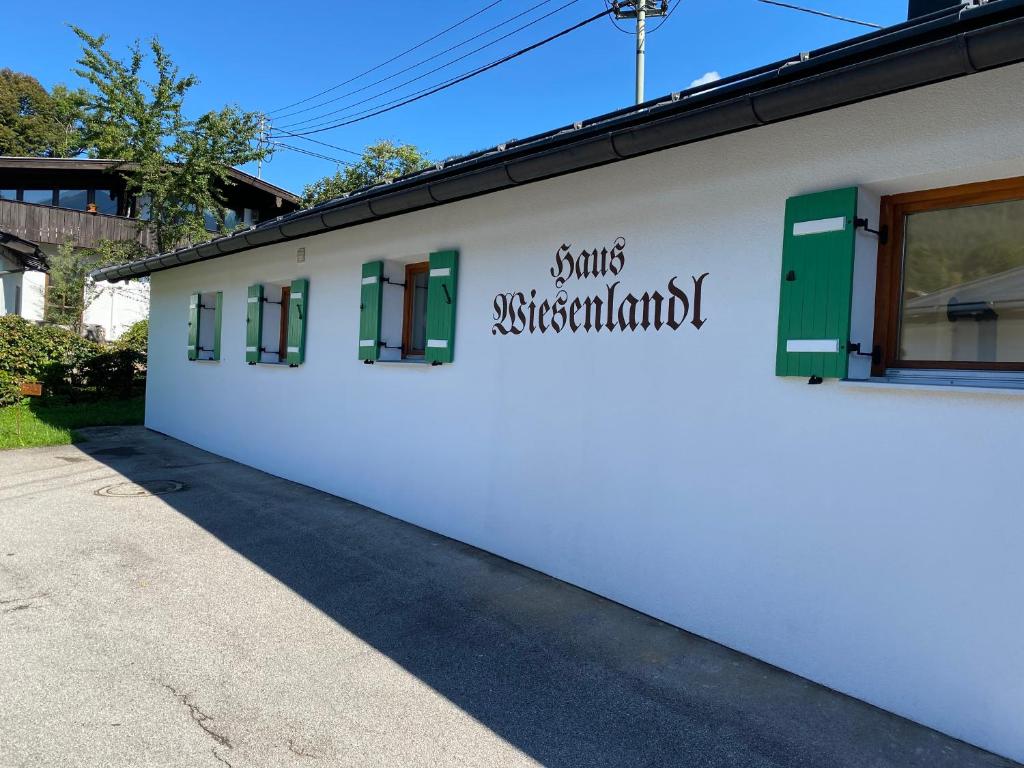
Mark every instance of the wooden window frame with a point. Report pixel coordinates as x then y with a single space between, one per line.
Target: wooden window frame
889 281
411 270
282 331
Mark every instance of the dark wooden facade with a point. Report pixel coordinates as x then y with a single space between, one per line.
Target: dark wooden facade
48 200
46 224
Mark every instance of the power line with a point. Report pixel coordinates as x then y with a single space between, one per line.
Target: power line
821 13
467 76
438 68
632 33
393 58
317 141
666 17
415 65
302 151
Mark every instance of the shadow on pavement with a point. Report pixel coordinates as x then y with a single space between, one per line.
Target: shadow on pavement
568 678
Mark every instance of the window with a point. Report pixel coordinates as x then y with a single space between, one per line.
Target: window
76 199
407 309
210 221
950 289
276 323
8 194
38 196
204 321
106 202
414 326
144 204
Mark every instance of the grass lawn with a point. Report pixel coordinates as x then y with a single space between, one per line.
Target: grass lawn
34 423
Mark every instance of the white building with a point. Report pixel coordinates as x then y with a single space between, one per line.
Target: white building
22 278
622 401
112 308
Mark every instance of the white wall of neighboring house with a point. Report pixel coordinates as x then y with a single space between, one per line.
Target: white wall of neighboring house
865 536
22 292
114 307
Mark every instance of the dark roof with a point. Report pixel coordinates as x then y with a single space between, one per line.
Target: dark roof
930 49
26 253
103 164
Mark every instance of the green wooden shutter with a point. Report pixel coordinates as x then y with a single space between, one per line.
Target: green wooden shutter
218 311
369 310
194 313
297 302
254 324
444 269
817 284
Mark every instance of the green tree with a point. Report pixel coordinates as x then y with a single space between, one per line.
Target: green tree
179 165
66 297
36 123
380 162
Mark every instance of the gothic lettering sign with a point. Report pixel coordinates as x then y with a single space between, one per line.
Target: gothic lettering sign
608 307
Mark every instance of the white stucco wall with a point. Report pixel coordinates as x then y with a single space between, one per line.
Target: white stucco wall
30 285
116 306
866 538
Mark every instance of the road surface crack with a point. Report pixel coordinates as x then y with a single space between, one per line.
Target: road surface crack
296 750
12 604
202 719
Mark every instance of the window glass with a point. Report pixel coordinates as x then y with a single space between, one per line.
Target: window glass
230 219
963 284
39 196
143 202
418 317
8 194
75 199
210 221
106 201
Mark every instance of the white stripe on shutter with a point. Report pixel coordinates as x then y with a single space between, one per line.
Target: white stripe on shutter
437 343
296 296
366 342
253 300
819 226
445 272
812 345
293 349
369 280
250 349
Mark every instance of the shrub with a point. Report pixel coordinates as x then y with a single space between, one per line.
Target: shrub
113 372
53 355
10 390
136 338
20 355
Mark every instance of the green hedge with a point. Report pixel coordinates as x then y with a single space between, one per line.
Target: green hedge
66 364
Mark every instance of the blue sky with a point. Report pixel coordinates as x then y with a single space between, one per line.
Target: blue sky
264 55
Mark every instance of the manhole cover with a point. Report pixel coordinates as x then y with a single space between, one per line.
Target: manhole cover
143 488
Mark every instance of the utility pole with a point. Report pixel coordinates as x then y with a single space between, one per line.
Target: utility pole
263 134
640 10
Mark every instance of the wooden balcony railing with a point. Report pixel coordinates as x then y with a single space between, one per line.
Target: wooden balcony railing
45 224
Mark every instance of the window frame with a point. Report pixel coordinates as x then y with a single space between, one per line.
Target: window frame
411 270
889 280
282 326
207 321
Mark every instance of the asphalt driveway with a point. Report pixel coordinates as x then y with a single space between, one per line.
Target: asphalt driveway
243 620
